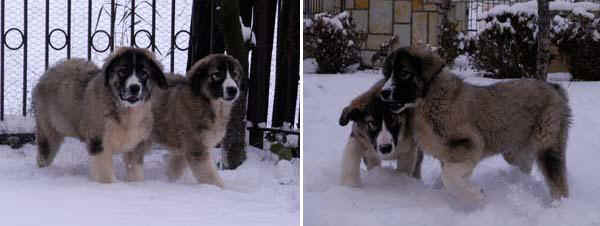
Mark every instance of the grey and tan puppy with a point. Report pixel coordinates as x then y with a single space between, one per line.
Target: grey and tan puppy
377 134
192 116
461 124
109 109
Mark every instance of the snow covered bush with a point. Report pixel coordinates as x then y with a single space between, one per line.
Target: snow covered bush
333 40
578 39
506 47
451 45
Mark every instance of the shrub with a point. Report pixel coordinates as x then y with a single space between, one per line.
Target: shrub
506 47
333 40
450 41
578 40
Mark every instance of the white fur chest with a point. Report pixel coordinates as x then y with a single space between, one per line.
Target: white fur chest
133 126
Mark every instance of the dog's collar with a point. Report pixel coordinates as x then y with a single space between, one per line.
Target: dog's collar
428 83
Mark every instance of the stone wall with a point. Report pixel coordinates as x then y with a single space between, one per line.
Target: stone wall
411 21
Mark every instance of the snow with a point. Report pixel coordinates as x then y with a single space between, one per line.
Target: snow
259 192
387 198
335 21
247 33
530 8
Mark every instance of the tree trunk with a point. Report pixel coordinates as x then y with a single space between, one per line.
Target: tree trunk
258 96
234 142
444 9
543 53
200 40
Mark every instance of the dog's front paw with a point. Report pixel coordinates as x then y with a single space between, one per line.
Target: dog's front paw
351 182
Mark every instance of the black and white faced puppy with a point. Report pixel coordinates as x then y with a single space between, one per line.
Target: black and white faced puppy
402 72
220 79
131 75
379 127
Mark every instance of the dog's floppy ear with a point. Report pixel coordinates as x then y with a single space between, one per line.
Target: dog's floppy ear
110 62
157 74
197 74
237 66
388 65
428 63
350 113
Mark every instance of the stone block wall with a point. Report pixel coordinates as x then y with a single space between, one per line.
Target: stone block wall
411 21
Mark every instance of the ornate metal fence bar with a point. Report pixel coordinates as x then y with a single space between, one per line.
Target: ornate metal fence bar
19 37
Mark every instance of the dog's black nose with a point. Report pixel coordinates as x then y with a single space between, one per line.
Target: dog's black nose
385 148
231 91
386 94
134 89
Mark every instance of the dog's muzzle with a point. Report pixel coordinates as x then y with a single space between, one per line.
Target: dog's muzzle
230 93
385 148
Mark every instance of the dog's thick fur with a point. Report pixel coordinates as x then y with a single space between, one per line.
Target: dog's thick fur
370 117
77 99
191 118
461 124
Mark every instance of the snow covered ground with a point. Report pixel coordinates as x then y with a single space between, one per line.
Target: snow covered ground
257 193
387 198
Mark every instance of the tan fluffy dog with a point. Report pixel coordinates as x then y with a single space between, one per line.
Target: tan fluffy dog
461 124
191 117
109 109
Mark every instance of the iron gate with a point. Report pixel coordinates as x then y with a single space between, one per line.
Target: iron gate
135 19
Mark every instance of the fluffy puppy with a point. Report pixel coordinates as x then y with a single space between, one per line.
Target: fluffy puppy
461 124
377 134
191 117
109 109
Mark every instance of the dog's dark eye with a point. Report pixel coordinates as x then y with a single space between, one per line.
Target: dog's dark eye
123 72
372 125
216 76
142 74
404 74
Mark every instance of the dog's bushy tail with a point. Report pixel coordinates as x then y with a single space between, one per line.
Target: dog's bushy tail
561 91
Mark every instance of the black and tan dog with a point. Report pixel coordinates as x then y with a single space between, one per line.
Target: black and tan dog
109 109
461 124
377 134
191 117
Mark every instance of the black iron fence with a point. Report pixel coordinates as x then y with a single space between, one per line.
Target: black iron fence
312 7
99 40
43 32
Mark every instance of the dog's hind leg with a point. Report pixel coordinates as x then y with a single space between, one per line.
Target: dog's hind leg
552 163
48 141
134 161
176 163
553 132
200 162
